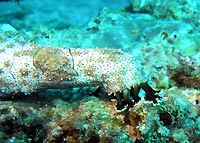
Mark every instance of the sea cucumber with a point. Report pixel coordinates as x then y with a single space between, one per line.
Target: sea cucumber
29 68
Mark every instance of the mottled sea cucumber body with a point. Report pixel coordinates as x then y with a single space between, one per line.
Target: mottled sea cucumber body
29 68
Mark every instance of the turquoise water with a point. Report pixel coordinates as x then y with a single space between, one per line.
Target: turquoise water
141 84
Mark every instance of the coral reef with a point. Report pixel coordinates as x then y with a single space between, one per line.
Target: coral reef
21 122
147 41
174 119
186 10
90 119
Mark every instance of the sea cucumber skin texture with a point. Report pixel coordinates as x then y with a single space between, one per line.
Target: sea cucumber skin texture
114 70
18 74
29 68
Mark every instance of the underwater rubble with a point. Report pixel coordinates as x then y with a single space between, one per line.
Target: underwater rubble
165 42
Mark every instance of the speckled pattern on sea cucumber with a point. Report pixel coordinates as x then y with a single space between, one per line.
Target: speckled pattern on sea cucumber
27 67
